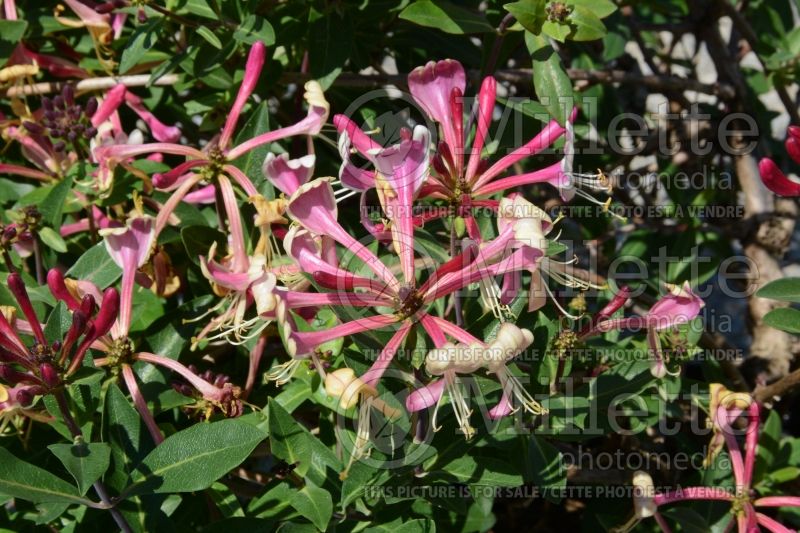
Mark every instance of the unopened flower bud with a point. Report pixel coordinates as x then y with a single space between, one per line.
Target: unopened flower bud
91 107
33 127
58 102
49 375
68 94
644 504
60 146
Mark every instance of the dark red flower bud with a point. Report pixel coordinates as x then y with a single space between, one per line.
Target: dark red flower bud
33 127
79 323
47 104
26 396
58 102
109 311
88 305
794 131
9 232
55 281
49 375
17 288
68 94
91 107
793 148
60 146
14 377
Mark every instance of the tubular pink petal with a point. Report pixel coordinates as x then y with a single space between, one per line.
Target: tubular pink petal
751 442
236 240
252 71
203 195
173 178
775 180
209 391
503 407
111 102
778 501
375 372
404 166
545 138
169 207
141 404
360 140
459 334
433 330
312 339
771 524
426 396
318 109
295 299
160 131
25 172
551 174
129 247
486 101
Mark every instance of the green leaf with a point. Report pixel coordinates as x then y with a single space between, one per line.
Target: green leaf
553 87
194 458
446 17
544 466
96 265
209 37
11 32
529 13
784 289
254 28
127 435
588 26
290 441
198 239
483 470
313 503
251 162
28 482
786 319
87 462
52 239
330 45
52 206
143 39
557 30
600 8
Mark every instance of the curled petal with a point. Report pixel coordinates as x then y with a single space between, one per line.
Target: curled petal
288 174
775 180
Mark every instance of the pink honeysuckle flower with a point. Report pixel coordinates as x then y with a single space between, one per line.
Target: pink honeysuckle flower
775 180
214 163
679 306
792 143
399 305
744 502
470 354
438 88
130 247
